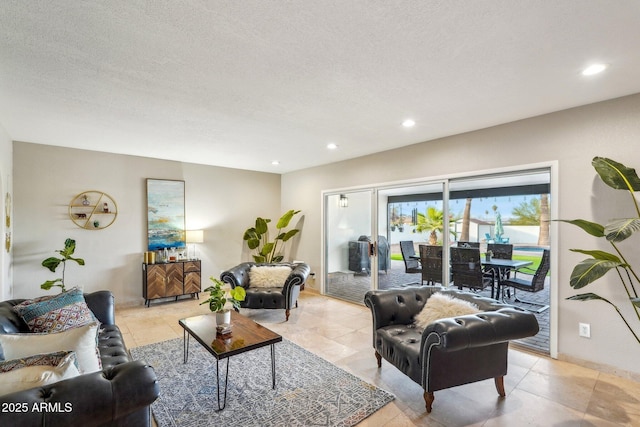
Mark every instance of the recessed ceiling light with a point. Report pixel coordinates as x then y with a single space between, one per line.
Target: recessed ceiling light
594 69
275 163
332 146
408 123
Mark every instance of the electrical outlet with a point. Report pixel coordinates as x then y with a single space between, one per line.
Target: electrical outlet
584 330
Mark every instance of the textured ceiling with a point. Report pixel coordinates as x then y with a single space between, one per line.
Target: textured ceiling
242 83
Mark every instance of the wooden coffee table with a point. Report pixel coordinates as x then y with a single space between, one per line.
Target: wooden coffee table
246 335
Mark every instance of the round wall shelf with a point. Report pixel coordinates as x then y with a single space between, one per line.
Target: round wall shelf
93 210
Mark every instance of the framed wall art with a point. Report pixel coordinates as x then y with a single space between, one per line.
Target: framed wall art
165 214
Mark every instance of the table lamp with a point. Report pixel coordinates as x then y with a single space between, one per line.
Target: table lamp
194 236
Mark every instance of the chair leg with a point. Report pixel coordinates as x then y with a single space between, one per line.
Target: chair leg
428 399
286 313
379 359
500 385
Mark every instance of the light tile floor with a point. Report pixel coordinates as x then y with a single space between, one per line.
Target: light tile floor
540 391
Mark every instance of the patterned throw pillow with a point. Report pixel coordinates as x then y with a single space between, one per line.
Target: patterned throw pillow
55 314
82 340
441 306
37 371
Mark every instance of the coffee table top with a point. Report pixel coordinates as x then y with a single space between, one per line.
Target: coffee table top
245 334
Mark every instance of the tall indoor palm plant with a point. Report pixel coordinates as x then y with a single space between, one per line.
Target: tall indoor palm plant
267 250
619 177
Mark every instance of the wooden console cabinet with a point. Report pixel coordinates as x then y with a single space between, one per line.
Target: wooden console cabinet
172 279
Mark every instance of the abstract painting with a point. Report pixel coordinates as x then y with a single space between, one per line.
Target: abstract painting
165 214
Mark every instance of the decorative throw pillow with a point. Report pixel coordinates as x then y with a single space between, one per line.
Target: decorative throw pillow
58 313
37 371
440 306
268 277
83 340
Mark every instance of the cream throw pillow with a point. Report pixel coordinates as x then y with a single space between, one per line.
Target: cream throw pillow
441 306
268 277
37 371
83 340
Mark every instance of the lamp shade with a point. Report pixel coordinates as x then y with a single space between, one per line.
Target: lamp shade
195 236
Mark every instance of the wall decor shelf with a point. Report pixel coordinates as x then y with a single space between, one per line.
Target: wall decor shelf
93 210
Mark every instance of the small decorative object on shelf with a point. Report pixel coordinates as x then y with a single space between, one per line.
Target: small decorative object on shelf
93 210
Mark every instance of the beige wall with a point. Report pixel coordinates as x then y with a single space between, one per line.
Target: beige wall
226 201
6 162
222 201
572 138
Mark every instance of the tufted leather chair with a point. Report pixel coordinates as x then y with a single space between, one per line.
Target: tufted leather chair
448 352
119 395
285 296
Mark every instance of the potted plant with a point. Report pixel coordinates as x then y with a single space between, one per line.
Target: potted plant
257 238
222 299
488 255
619 177
52 263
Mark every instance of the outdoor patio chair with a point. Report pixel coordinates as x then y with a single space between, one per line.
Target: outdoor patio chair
462 244
536 284
411 265
501 251
466 270
431 261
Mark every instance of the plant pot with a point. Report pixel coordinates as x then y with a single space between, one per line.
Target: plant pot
223 317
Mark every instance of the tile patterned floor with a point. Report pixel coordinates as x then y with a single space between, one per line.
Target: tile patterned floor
540 391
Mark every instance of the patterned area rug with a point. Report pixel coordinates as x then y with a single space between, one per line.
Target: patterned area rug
309 390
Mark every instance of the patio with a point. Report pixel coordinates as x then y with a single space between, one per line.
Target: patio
352 287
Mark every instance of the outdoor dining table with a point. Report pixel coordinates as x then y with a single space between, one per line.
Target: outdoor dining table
500 266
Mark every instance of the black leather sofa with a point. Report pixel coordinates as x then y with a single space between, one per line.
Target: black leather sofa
448 352
280 297
119 395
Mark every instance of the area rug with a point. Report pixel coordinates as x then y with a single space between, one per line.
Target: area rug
309 391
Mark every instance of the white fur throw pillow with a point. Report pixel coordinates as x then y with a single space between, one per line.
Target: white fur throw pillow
268 277
441 306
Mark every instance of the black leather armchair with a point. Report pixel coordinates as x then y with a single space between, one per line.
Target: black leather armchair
284 296
119 395
448 352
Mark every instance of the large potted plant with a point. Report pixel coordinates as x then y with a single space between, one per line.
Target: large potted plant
619 177
222 299
267 250
52 264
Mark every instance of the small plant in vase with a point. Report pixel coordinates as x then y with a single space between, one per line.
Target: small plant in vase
222 298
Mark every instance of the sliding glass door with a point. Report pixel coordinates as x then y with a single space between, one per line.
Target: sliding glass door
350 255
372 237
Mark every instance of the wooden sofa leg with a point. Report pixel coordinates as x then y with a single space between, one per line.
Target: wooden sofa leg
428 399
500 385
379 358
286 313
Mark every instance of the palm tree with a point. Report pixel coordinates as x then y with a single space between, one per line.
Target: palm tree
466 220
433 222
543 237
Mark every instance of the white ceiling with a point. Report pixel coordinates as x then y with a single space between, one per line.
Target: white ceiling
241 83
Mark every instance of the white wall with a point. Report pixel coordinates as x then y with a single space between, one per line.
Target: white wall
6 167
572 138
221 201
